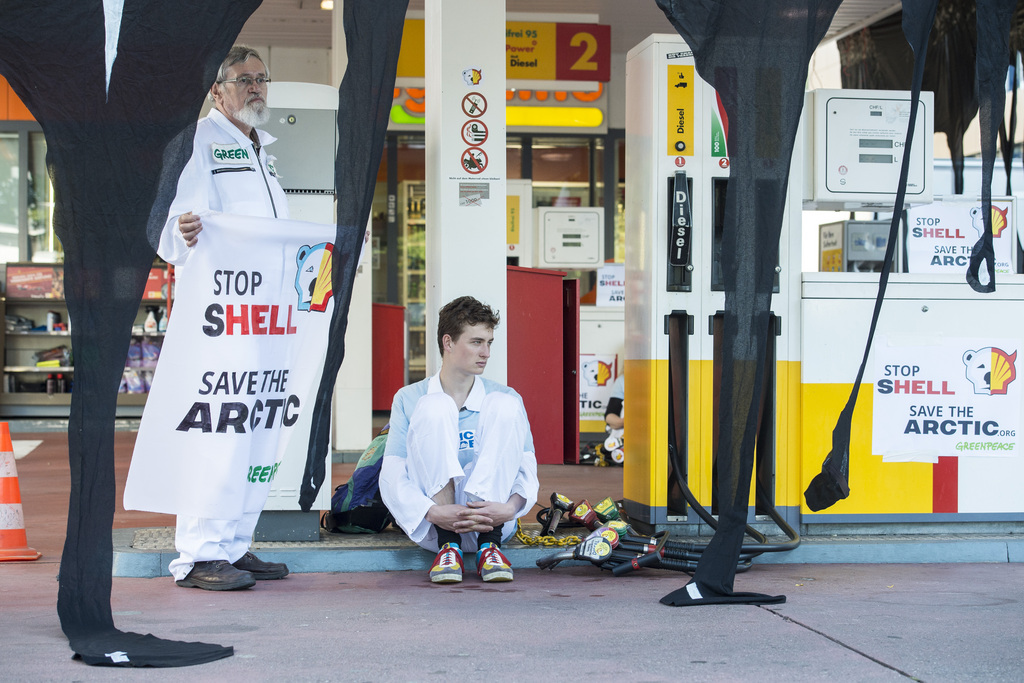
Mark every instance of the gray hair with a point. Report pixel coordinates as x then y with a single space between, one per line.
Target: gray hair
236 55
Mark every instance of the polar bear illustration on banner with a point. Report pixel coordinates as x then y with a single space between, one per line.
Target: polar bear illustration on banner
313 279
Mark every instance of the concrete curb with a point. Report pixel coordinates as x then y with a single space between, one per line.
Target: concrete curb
363 554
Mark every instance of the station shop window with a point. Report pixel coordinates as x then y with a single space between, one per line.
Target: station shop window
561 171
609 173
43 244
513 157
26 196
10 173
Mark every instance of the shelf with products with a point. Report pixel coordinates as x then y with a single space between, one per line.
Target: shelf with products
413 272
38 367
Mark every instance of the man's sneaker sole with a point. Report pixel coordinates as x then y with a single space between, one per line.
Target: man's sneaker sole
447 577
498 576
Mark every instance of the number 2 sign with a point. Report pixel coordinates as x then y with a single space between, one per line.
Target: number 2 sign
583 52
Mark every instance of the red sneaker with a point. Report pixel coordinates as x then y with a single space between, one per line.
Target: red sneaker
447 567
492 565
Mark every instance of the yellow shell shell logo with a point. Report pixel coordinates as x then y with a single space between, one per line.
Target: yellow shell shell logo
1004 370
998 221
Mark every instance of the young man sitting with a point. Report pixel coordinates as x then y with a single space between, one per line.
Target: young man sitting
459 465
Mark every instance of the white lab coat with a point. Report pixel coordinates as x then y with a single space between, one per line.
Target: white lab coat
223 175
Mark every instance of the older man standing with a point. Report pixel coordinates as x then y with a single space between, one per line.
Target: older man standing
230 171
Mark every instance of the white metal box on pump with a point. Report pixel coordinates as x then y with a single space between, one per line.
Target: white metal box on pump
569 237
853 148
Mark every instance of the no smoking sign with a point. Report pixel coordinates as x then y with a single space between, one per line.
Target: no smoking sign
474 132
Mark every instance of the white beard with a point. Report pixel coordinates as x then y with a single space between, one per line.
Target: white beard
253 114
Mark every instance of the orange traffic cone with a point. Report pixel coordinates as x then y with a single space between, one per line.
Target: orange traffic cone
13 542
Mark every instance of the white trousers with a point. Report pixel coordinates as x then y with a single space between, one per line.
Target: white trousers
432 453
201 540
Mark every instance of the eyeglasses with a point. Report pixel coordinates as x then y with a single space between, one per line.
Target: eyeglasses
247 81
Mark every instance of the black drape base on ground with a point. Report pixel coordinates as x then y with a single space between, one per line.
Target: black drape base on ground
111 647
688 597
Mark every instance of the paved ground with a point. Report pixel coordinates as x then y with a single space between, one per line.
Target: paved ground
852 622
962 622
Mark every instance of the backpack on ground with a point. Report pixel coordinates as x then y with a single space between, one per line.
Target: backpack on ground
356 505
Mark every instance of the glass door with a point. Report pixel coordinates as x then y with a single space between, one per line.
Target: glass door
10 206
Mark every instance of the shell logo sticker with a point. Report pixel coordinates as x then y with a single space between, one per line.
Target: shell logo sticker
998 220
597 373
990 370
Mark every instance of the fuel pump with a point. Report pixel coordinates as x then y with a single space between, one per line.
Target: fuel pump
677 171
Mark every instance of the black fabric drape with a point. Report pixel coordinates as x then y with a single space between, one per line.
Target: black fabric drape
114 158
755 54
832 483
373 33
104 156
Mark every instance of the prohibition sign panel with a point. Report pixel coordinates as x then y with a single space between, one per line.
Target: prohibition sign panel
474 104
474 160
474 132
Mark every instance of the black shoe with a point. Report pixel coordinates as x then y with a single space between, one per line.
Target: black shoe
260 570
216 575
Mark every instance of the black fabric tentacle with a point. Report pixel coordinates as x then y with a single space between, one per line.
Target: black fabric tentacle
993 50
373 33
105 151
832 484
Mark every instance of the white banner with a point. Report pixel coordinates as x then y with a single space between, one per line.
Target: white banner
946 397
239 370
941 235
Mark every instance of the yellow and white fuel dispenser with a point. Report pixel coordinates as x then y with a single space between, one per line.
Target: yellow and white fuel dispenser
677 170
936 434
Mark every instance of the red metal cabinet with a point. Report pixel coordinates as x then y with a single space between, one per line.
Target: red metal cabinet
535 315
388 354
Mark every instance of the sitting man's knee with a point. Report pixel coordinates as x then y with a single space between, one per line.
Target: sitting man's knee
435 406
500 405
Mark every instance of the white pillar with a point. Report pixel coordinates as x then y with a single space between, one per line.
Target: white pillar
339 53
465 96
